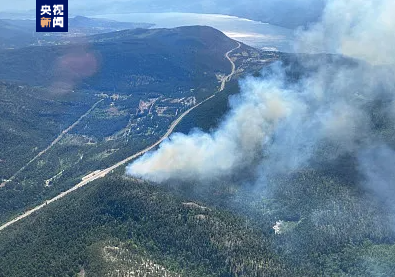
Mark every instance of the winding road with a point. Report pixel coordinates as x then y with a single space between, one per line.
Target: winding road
102 173
229 77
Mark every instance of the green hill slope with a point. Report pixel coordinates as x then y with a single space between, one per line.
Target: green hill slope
118 225
147 60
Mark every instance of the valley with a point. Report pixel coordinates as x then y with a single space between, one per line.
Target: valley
102 173
109 130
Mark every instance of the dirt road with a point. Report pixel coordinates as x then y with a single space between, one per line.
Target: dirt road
57 139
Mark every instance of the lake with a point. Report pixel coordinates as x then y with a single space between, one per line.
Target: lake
254 33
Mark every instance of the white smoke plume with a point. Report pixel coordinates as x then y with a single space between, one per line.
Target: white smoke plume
254 116
377 165
363 29
286 125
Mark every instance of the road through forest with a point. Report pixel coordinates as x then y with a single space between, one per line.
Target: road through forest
57 139
101 173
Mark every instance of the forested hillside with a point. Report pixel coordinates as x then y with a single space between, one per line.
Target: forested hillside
118 225
82 107
173 60
326 225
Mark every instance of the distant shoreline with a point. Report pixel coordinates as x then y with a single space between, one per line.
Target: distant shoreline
254 33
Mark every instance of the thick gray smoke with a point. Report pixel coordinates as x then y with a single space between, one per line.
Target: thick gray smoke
377 164
254 116
287 124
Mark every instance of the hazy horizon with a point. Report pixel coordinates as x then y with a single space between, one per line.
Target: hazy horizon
290 14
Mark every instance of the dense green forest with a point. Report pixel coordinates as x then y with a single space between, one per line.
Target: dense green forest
138 217
124 224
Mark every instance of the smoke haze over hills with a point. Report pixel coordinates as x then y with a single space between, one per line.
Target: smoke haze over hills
288 124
